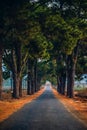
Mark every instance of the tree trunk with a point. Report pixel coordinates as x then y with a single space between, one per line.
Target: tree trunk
20 88
58 83
16 70
32 86
14 84
70 81
29 78
68 73
58 77
35 75
63 84
29 84
38 83
72 59
17 85
1 78
71 76
32 81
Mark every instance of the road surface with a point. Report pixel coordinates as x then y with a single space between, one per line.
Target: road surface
44 113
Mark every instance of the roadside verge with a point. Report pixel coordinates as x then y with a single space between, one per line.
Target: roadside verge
7 108
75 107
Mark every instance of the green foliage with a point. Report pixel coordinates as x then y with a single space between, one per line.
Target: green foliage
82 60
47 71
62 33
45 30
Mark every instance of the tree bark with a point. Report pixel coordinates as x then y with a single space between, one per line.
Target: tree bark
63 84
29 78
20 87
32 80
35 75
16 70
14 84
17 85
58 77
61 74
70 77
72 59
1 78
32 86
68 73
58 83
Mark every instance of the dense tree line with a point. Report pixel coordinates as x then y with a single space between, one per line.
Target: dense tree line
42 30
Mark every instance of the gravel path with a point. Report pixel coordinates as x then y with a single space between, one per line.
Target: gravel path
44 113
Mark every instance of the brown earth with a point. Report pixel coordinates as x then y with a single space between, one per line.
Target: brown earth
8 106
77 106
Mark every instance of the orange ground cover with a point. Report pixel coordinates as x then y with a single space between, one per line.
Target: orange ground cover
10 106
76 106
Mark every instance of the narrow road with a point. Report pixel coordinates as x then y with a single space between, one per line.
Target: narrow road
44 113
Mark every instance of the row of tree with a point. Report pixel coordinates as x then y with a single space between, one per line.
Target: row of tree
21 43
66 28
31 31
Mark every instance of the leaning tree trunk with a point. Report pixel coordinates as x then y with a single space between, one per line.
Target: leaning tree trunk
72 59
1 78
